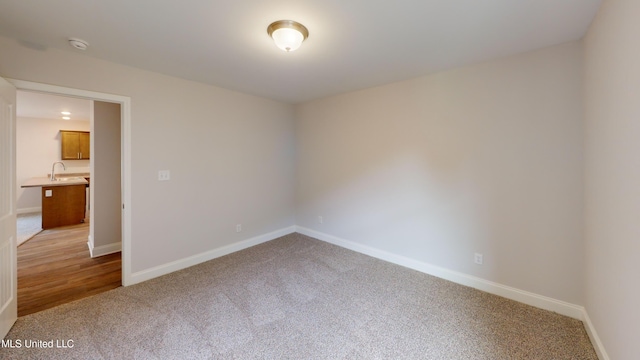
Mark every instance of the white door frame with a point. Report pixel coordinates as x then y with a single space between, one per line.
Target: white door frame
125 103
8 248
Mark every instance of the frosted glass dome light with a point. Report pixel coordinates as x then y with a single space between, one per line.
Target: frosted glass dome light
287 39
287 34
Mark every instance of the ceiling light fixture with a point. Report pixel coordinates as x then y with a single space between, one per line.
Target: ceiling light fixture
66 118
78 43
288 34
65 113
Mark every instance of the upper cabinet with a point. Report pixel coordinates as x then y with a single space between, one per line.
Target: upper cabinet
75 145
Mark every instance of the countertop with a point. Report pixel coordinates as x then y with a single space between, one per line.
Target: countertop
70 179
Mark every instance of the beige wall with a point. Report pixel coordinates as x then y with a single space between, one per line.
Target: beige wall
230 154
106 194
37 148
484 159
612 174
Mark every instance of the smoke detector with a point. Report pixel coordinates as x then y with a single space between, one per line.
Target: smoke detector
78 43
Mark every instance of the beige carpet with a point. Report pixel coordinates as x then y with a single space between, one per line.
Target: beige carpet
299 298
28 226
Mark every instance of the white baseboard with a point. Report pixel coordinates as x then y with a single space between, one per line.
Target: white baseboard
593 336
157 271
28 210
103 250
539 301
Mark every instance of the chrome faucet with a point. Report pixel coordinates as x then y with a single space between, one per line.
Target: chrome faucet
53 167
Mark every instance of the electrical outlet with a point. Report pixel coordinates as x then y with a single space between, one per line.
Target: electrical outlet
320 220
478 259
238 227
164 175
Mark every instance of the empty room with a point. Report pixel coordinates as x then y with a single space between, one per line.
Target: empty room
343 179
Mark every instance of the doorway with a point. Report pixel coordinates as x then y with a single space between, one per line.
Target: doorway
56 266
125 157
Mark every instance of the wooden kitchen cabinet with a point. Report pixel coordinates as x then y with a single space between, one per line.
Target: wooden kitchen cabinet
63 205
75 145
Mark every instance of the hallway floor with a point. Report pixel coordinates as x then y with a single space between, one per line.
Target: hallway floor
54 268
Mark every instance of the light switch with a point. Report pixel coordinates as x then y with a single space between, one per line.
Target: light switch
48 193
164 175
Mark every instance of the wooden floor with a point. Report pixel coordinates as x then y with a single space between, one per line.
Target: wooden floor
55 267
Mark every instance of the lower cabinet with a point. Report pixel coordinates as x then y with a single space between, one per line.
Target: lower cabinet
63 205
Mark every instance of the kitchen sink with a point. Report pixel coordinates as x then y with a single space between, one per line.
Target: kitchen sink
75 178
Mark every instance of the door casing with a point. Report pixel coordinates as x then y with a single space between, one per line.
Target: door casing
125 103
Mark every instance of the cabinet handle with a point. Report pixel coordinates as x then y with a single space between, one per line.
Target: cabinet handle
80 155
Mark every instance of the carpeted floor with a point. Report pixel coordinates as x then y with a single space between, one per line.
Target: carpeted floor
299 298
28 225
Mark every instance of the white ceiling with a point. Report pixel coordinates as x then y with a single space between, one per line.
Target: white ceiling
45 106
353 44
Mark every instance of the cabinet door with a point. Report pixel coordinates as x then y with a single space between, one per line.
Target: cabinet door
65 206
70 145
75 145
84 145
